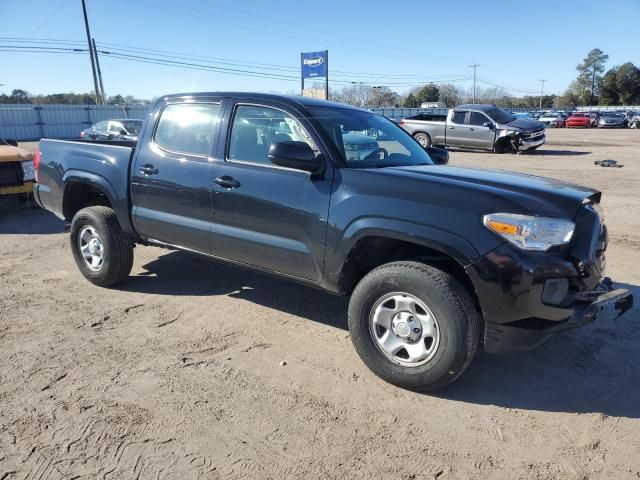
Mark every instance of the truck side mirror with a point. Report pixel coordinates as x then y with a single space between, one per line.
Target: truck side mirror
123 132
488 125
439 155
296 155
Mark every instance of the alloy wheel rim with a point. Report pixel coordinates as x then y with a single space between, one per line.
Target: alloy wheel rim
91 248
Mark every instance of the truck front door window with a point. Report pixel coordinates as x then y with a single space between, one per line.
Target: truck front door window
477 119
255 128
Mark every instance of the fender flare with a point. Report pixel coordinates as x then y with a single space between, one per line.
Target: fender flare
99 182
454 246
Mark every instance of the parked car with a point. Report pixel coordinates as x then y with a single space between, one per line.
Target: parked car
579 120
478 126
553 119
358 146
594 117
612 120
17 173
436 259
123 129
634 122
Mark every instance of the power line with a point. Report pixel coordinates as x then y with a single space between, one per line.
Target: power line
254 65
213 67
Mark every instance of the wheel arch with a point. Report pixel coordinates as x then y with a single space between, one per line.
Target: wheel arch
83 189
373 247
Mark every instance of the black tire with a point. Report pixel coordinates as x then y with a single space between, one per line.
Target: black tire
503 146
426 139
117 246
458 324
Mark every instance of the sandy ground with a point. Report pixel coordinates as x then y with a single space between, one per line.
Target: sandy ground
176 374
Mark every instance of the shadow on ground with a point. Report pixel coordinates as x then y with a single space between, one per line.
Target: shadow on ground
183 273
25 220
593 369
546 151
588 370
539 152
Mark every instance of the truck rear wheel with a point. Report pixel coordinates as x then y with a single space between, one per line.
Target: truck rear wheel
423 139
101 250
413 325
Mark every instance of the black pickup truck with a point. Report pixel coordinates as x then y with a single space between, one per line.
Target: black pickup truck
436 259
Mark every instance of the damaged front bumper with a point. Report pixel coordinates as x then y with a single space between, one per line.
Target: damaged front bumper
500 339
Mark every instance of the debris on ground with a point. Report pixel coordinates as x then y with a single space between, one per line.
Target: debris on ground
608 163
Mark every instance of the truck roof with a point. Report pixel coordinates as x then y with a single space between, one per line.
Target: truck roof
483 107
289 99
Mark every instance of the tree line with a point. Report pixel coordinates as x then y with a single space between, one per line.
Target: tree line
22 96
620 85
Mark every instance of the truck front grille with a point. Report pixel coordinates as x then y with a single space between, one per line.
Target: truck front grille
589 244
533 135
10 174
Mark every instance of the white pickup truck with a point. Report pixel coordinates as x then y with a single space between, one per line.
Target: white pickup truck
476 126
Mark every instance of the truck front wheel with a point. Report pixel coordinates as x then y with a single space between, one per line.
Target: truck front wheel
101 250
413 325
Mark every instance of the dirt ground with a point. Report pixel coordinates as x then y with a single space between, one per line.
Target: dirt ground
176 374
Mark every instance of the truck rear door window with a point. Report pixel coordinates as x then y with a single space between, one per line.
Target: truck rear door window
458 117
187 128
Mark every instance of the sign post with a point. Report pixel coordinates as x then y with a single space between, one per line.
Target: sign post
315 65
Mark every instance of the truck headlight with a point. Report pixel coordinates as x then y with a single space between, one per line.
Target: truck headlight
28 173
529 232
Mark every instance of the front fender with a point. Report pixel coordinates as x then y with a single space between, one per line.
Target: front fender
424 235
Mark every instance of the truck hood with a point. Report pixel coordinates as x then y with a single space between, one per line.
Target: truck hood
528 124
533 194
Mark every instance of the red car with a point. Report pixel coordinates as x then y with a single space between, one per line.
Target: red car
579 120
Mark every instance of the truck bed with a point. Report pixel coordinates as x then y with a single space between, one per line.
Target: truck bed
101 164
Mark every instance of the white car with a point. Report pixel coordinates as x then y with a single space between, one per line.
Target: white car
553 119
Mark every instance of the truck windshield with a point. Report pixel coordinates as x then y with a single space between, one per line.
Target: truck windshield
368 140
500 116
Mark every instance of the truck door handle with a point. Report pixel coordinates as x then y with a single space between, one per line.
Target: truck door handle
148 169
472 129
452 128
227 182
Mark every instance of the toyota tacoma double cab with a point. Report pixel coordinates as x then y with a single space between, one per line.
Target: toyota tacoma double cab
477 126
437 260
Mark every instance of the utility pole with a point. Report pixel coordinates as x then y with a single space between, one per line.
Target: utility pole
541 92
95 53
93 64
475 67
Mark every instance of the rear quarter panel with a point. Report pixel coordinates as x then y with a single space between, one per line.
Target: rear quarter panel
435 129
105 167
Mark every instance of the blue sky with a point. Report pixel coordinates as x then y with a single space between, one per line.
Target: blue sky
378 42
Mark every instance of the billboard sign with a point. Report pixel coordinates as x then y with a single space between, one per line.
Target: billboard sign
314 64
